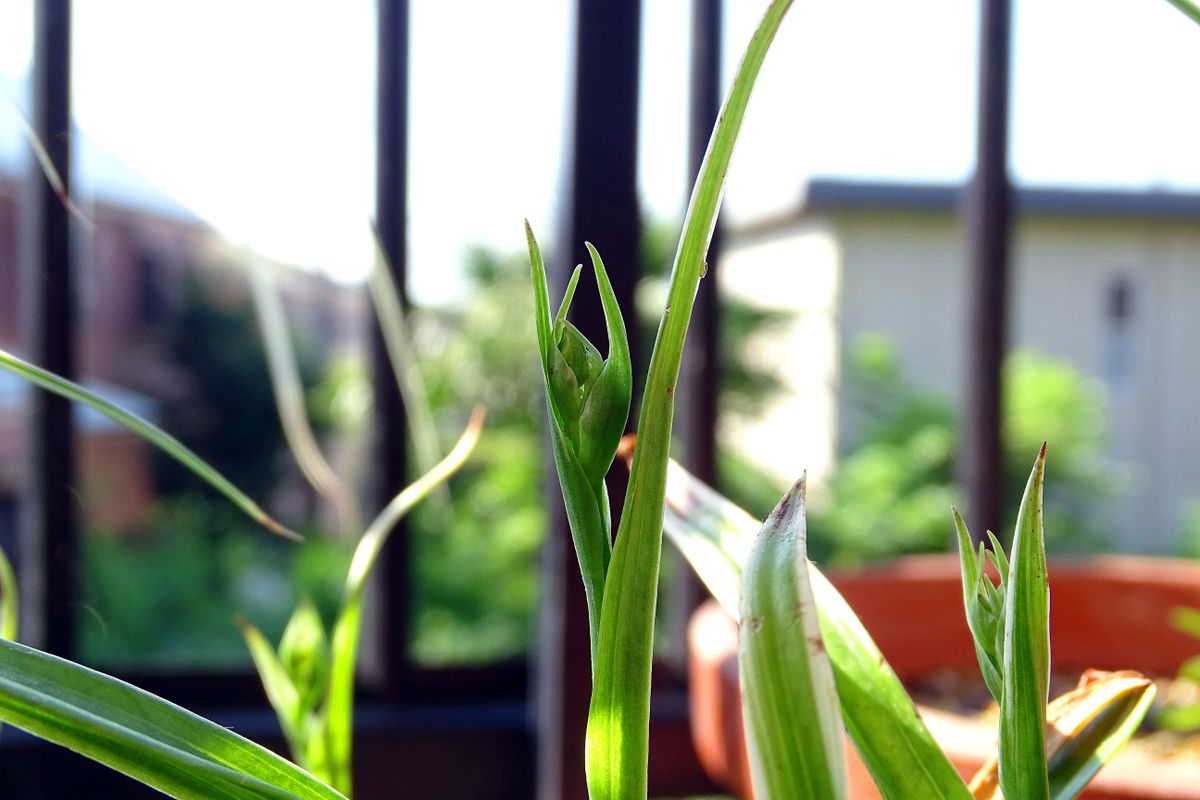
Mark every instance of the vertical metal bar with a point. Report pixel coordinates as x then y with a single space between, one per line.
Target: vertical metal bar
49 544
601 207
988 211
391 212
697 413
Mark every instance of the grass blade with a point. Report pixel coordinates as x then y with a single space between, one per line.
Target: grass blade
277 685
289 401
618 719
402 356
1026 665
715 536
344 648
148 431
789 700
140 735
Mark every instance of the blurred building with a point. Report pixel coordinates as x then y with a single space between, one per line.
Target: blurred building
1107 280
131 264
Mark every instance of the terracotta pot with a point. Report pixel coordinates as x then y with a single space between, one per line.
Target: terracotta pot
1108 613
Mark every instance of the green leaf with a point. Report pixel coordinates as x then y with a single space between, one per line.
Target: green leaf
140 735
984 604
587 400
148 431
1026 666
715 536
402 356
10 614
618 719
789 700
290 402
304 654
278 686
1190 9
605 410
339 707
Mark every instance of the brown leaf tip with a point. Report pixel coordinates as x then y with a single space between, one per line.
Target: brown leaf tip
625 448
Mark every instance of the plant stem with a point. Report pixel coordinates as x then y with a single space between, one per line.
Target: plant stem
618 720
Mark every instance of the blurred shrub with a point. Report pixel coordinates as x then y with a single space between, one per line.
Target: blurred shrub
476 576
894 486
166 595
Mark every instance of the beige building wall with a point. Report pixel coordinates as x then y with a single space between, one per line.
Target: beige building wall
797 269
900 273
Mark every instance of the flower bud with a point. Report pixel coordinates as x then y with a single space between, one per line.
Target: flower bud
589 394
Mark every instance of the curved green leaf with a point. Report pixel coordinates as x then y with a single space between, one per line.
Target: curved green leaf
148 431
140 735
339 708
1190 9
715 536
585 496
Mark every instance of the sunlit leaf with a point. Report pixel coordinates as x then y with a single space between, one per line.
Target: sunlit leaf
1026 665
715 535
339 708
147 431
140 735
618 719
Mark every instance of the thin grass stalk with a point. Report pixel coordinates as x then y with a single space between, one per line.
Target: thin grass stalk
147 431
289 401
340 704
397 343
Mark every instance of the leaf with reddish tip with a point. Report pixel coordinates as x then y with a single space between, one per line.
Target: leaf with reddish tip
715 535
789 699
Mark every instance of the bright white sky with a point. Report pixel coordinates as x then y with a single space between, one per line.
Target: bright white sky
257 114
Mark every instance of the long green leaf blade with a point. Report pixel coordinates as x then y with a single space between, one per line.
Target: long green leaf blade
148 431
715 536
289 401
789 700
402 356
618 719
344 645
277 685
140 735
1026 665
